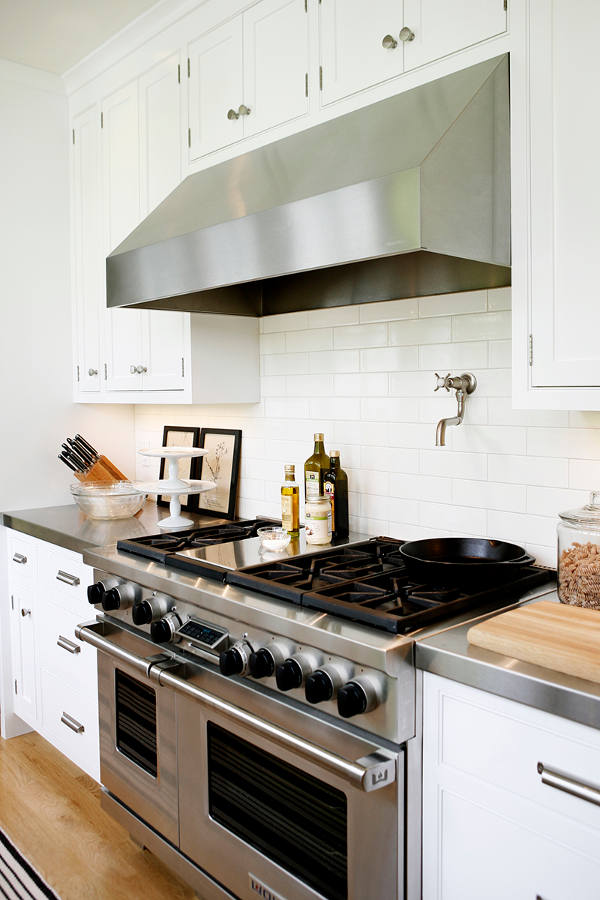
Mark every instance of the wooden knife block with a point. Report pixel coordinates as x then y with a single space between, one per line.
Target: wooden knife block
102 470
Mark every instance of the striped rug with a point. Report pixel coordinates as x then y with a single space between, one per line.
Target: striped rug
18 878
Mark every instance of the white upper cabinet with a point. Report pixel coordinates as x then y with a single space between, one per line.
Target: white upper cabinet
565 194
165 338
275 63
442 26
360 45
87 253
160 131
216 89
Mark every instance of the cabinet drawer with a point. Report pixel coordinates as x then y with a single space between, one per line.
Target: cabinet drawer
502 743
70 722
61 653
22 556
66 577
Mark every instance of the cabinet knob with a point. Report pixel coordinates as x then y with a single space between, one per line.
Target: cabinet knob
92 372
406 35
132 370
141 370
244 110
389 42
232 114
25 612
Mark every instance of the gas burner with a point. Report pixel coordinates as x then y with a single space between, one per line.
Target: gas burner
159 547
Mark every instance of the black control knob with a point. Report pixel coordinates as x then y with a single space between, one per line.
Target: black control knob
231 662
352 700
289 675
261 663
142 613
318 687
111 600
161 632
95 593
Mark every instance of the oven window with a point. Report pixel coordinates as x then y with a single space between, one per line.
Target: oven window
136 721
296 820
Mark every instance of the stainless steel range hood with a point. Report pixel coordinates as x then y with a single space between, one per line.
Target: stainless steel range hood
407 197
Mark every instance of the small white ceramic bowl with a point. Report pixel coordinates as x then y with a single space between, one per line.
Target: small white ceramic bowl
273 539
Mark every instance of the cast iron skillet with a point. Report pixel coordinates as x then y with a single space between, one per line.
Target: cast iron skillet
458 561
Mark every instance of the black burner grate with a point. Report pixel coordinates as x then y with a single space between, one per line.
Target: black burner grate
159 546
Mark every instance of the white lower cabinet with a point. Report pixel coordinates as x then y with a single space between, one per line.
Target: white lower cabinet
55 675
491 827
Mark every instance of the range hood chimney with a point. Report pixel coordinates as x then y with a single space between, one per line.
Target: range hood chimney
407 197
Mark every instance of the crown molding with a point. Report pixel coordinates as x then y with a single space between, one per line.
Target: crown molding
37 79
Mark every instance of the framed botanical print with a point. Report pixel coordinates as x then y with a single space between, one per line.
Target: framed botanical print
221 465
179 436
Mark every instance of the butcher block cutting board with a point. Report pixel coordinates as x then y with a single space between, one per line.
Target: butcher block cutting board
553 635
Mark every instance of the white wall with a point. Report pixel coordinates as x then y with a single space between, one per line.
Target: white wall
365 376
36 410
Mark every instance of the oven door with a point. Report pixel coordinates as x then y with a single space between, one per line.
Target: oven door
278 818
138 752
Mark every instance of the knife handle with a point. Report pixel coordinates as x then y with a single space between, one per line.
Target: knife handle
88 446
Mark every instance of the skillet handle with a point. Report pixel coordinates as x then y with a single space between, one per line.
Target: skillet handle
525 560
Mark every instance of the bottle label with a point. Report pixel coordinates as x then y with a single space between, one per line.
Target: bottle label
312 485
329 489
317 527
287 512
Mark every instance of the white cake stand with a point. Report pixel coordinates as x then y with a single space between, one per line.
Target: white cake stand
174 485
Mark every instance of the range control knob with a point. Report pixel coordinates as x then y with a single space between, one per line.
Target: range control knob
292 672
325 682
263 662
163 631
234 661
358 696
96 591
122 596
151 609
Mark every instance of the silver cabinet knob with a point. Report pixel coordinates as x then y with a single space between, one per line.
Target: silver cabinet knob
25 612
92 372
406 35
232 114
19 558
244 110
132 370
389 42
141 370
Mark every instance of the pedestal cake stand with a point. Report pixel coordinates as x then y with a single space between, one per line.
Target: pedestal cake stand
174 485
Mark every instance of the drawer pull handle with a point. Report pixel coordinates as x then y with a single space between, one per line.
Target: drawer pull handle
25 612
19 558
72 723
66 644
66 578
569 785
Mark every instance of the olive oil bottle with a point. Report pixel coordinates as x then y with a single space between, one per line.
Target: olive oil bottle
335 486
290 502
314 469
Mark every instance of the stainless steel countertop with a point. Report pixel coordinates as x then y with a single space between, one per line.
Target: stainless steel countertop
448 653
66 526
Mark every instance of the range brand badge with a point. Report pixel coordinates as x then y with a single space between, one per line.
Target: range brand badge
260 889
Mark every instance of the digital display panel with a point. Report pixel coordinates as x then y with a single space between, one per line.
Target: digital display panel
201 633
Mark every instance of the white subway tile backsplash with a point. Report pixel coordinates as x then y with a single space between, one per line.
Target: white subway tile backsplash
482 327
389 359
364 375
453 304
360 336
421 331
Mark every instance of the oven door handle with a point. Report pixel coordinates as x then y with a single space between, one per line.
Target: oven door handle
369 773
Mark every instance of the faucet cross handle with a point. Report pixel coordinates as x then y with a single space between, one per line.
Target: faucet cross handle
442 381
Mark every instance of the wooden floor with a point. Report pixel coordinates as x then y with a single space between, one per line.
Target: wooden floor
51 811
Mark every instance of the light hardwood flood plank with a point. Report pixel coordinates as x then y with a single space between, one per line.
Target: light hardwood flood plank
559 637
51 811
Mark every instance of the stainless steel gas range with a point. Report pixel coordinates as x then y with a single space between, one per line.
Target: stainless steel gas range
259 717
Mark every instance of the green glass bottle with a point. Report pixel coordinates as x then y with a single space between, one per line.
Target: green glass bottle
335 486
314 469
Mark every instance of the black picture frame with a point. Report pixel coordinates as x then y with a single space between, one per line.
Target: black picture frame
187 502
221 504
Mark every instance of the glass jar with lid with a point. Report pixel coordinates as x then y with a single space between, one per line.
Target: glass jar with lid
579 554
317 516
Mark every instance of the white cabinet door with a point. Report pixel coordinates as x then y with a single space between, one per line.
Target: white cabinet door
564 136
215 88
352 34
275 63
23 650
160 132
166 339
121 190
87 247
441 27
